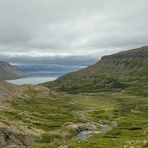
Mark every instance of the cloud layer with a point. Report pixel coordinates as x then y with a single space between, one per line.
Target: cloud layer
59 28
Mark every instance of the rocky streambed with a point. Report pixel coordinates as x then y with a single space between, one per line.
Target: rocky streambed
86 131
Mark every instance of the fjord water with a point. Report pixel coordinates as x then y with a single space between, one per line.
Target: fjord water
33 80
40 73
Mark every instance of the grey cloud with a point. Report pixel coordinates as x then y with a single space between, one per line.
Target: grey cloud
71 27
68 60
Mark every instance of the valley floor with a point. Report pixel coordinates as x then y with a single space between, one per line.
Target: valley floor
61 120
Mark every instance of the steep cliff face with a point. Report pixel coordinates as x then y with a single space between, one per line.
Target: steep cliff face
8 71
112 71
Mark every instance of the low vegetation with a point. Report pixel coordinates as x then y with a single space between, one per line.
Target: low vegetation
53 115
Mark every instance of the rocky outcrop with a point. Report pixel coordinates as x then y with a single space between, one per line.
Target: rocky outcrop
11 137
8 71
82 127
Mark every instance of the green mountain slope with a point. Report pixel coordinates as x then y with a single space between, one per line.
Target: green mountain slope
8 71
117 71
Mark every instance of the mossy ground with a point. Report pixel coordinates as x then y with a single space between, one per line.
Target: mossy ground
129 110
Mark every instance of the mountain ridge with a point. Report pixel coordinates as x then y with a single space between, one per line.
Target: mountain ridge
138 52
8 71
109 73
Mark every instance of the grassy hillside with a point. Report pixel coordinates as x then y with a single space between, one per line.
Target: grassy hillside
57 120
113 72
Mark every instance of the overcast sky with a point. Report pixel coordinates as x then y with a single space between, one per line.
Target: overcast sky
70 29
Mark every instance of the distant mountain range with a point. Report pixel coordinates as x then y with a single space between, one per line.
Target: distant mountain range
47 69
8 71
117 71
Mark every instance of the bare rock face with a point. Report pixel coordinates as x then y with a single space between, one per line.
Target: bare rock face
8 71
